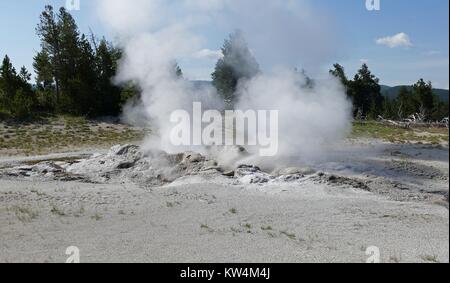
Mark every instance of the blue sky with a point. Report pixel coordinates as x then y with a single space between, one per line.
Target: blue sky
420 49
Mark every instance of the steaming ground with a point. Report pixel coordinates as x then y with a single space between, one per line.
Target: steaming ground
126 206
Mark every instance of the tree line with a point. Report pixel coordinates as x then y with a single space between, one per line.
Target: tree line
369 102
75 71
364 90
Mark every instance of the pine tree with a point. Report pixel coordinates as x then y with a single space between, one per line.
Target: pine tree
108 99
70 56
84 83
24 75
366 93
440 110
237 63
17 94
60 53
48 32
339 72
407 103
388 108
8 82
43 69
22 104
423 91
177 70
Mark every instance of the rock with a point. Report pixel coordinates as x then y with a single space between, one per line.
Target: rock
332 179
192 157
258 178
339 180
249 174
25 168
210 163
243 166
124 149
126 165
290 178
212 168
47 167
305 171
244 170
118 157
229 173
241 150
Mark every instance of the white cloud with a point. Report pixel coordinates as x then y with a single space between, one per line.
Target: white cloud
208 54
398 40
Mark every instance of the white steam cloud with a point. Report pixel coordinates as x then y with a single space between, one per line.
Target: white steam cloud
309 117
281 33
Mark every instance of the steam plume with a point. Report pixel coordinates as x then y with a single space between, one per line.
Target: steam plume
155 33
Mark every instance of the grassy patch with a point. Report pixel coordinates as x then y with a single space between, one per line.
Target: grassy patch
399 135
96 217
266 228
207 228
63 133
57 211
291 236
24 214
247 226
430 258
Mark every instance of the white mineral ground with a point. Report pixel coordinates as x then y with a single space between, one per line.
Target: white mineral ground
126 206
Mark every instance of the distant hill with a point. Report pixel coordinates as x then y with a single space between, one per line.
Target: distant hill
392 92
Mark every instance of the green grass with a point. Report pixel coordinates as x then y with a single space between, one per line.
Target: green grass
62 133
430 258
206 228
96 217
247 226
291 236
267 228
399 135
